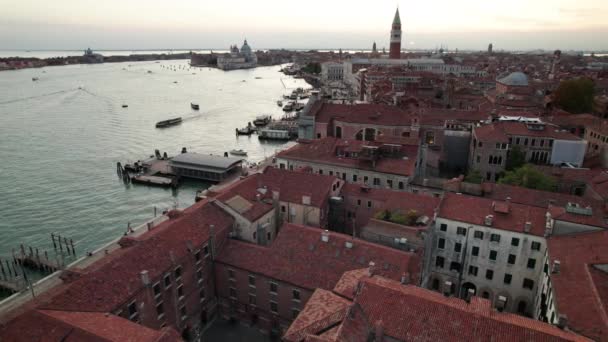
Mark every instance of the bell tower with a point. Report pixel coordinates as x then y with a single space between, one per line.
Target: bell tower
395 50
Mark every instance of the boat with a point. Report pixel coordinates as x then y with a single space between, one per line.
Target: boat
258 78
125 105
194 106
238 152
274 134
35 79
245 131
169 122
262 120
280 103
288 107
299 106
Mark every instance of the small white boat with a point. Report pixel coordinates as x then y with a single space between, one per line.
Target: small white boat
238 152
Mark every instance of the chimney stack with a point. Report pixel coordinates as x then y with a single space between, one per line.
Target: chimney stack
371 269
325 235
502 302
145 278
405 278
447 288
488 220
470 293
378 331
556 267
527 227
562 321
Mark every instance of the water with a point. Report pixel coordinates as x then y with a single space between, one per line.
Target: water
59 144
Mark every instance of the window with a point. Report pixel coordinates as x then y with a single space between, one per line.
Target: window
401 186
494 238
489 274
535 246
473 270
133 311
252 299
369 204
231 275
515 242
180 291
182 311
531 263
443 227
197 256
354 178
461 231
478 159
274 307
157 290
358 202
511 259
455 266
439 261
526 142
296 294
441 243
377 181
160 312
295 313
273 287
457 247
206 250
478 234
508 278
493 255
475 251
167 280
251 280
528 284
232 292
365 179
178 273
389 183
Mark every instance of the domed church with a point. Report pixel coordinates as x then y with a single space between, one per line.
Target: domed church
244 58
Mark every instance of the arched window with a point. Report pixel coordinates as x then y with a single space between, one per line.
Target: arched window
521 307
338 132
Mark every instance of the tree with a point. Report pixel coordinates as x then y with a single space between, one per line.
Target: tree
516 158
473 177
529 177
575 95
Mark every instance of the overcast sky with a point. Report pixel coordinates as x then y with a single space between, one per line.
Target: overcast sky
194 24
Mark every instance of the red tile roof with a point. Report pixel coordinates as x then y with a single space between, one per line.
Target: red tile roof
374 114
557 203
324 151
581 289
410 313
298 256
113 280
473 210
50 325
501 131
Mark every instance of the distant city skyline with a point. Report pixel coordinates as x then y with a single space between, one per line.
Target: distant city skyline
190 24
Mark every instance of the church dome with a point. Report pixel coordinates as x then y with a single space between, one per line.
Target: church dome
515 79
245 49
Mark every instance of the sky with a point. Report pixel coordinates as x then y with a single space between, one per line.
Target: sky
320 24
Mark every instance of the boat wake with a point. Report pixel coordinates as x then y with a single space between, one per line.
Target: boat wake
38 96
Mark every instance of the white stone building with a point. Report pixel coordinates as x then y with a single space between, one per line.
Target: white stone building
245 58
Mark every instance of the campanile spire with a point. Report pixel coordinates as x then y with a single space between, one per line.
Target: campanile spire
395 50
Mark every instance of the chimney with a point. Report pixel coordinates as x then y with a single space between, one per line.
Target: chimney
556 267
145 278
488 220
306 200
470 293
562 321
405 278
275 195
348 244
447 288
371 269
325 236
501 303
527 226
258 197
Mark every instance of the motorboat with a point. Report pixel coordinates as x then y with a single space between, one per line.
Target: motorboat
194 106
262 120
280 103
125 105
169 122
288 107
238 152
245 131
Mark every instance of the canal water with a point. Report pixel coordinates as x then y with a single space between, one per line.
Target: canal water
61 137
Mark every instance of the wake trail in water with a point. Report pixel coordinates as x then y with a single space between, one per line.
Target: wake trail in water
37 96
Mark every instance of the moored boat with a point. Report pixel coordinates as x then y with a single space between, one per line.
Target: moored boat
238 152
169 122
194 106
262 120
288 107
280 103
